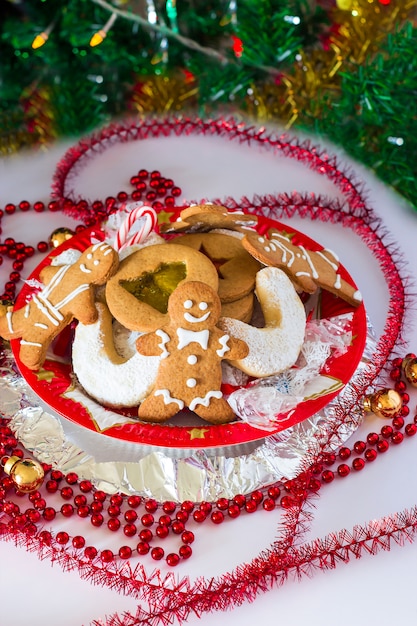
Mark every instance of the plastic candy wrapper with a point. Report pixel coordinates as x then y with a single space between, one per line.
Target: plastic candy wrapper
264 403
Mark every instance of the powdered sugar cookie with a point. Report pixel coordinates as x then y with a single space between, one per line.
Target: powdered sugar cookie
104 373
275 347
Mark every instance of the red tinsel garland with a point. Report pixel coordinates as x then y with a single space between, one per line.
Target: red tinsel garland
167 596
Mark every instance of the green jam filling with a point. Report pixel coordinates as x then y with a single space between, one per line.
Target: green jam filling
154 288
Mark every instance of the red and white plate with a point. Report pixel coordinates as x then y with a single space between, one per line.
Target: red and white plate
54 383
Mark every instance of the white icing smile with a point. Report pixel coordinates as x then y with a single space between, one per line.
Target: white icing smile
194 320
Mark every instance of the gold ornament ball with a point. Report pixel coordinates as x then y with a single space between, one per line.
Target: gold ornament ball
384 403
410 370
26 474
60 236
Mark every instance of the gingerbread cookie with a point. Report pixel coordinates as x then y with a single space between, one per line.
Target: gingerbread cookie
68 294
191 347
137 295
307 269
235 266
275 347
206 217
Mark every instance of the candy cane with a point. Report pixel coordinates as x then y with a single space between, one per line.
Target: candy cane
140 212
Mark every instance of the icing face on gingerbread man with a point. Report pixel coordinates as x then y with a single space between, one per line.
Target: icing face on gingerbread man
191 347
68 294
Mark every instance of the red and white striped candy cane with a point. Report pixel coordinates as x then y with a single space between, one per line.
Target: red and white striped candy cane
148 218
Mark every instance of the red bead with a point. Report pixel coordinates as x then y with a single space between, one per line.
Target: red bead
136 195
370 455
372 438
257 496
96 507
165 520
40 504
386 431
274 492
185 552
217 517
33 515
147 519
398 422
67 493
107 556
151 196
382 446
24 205
182 516
400 386
410 430
85 486
42 246
251 506
116 499
49 514
71 478
287 501
143 173
169 507
329 458
134 501
222 504
130 516
113 511
359 447
405 410
177 527
99 496
173 559
78 542
29 251
90 552
56 475
405 398
234 511
62 537
151 505
206 507
343 470
358 464
176 191
129 530
162 531
327 476
199 516
344 453
187 536
67 510
269 504
97 519
51 486
46 537
397 437
146 535
169 201
314 484
395 373
187 505
10 208
83 511
122 196
113 524
125 552
39 207
143 547
157 553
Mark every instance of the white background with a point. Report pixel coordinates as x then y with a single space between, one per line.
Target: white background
372 590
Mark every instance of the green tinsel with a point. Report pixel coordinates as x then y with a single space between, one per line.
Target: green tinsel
226 50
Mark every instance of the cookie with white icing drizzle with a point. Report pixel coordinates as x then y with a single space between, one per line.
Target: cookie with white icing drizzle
307 269
68 294
205 217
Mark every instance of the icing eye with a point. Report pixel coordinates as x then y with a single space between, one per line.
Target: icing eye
96 262
188 304
89 256
203 306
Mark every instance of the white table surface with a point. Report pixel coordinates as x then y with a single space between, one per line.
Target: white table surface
372 590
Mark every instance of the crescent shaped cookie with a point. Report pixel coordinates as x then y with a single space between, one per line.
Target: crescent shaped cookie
103 373
276 347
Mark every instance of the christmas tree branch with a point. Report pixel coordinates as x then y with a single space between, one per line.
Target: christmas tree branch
184 41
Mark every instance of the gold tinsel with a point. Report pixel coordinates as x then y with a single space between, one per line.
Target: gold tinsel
163 94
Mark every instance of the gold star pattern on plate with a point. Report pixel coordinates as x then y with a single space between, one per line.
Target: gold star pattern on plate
198 433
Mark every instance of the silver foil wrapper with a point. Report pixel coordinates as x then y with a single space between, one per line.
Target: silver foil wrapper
162 473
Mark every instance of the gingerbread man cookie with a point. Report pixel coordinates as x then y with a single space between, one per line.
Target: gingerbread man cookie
191 347
68 294
307 269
